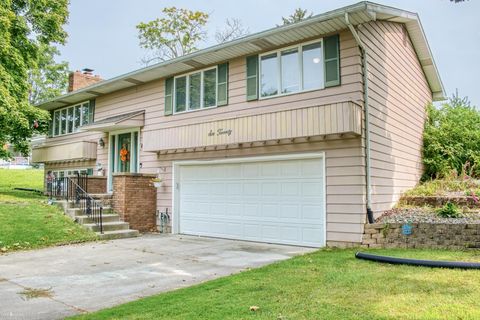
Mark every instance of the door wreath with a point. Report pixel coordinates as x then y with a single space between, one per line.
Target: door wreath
124 154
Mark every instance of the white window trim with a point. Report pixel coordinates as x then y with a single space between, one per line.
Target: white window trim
60 118
65 171
187 91
299 46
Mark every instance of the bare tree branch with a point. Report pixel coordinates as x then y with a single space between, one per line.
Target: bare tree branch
233 29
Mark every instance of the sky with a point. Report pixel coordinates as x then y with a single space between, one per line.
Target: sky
103 37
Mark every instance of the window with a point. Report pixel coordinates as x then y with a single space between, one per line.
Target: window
180 94
56 123
196 90
70 172
209 88
70 119
292 70
312 66
269 75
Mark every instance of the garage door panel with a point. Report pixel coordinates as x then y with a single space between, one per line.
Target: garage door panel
270 201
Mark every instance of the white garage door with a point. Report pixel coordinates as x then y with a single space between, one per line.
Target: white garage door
276 201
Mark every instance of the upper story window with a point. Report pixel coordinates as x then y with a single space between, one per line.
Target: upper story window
195 91
307 66
70 119
292 69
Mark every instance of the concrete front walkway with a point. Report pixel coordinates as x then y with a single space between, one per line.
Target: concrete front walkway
84 278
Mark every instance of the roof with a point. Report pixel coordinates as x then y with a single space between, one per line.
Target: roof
324 23
122 121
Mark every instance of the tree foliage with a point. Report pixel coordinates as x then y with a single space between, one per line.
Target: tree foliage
233 29
25 25
49 79
298 15
174 35
451 139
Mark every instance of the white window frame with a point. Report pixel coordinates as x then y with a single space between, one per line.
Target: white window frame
65 171
299 48
74 129
187 91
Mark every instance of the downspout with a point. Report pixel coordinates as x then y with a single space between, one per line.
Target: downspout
363 50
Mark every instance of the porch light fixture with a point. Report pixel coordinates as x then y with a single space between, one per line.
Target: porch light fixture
101 143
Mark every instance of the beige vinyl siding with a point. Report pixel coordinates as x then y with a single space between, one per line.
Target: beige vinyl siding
102 153
345 179
398 94
344 157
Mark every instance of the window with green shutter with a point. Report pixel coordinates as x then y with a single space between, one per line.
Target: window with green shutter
168 96
200 89
222 84
252 78
331 50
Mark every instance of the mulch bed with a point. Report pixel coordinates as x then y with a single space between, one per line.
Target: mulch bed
425 215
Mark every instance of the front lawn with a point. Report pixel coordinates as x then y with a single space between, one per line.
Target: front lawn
327 284
27 221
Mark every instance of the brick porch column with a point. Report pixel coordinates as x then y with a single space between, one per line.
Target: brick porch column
135 200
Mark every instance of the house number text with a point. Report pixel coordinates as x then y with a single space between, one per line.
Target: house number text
220 132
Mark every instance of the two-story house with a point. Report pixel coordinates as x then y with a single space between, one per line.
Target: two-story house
298 134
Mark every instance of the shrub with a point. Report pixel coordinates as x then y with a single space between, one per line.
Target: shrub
449 210
451 140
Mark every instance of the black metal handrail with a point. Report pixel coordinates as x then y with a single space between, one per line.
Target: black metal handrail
74 191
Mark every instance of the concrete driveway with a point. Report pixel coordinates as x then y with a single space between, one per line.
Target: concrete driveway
83 278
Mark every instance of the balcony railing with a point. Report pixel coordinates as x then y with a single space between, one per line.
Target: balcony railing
73 190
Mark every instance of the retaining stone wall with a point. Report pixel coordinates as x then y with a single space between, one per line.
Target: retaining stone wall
424 235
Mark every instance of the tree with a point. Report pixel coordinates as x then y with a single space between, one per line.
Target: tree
298 15
24 26
451 139
176 34
49 79
233 29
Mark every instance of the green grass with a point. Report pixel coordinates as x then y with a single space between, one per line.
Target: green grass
442 187
327 284
27 221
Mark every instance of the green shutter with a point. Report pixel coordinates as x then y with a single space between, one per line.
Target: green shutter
90 172
91 111
331 53
252 78
222 84
168 96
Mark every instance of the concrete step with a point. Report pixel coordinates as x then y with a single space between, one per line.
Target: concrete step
101 196
109 217
118 234
106 199
74 212
108 226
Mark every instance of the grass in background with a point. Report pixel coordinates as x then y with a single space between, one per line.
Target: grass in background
327 284
442 187
27 221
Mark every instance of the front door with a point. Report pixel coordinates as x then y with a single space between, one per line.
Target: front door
123 154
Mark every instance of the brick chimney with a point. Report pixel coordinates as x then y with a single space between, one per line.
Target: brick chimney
81 79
